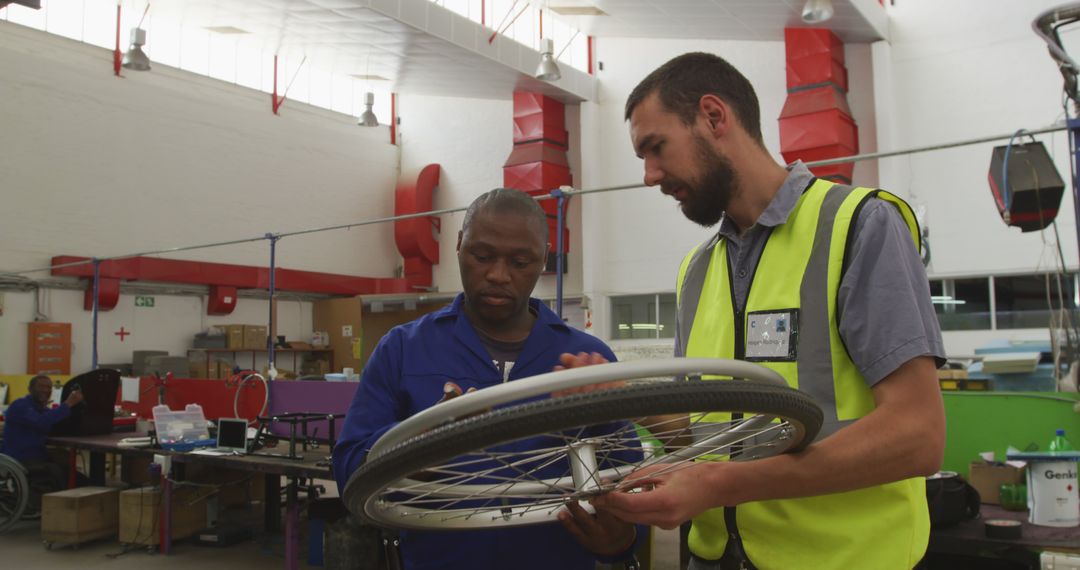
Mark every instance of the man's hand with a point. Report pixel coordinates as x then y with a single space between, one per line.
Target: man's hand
601 534
578 360
668 498
74 398
451 390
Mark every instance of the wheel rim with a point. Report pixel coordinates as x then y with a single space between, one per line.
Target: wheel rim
542 384
529 480
452 502
14 492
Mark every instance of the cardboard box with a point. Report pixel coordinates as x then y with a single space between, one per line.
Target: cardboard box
78 515
988 479
314 366
201 369
255 336
342 319
140 511
222 369
234 335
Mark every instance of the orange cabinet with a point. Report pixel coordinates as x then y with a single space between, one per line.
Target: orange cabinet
48 349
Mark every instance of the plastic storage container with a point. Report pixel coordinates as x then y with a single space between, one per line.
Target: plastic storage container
181 431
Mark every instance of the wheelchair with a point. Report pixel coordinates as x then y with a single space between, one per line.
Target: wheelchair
15 493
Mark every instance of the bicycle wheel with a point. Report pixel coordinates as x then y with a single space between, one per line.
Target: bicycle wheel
14 492
520 465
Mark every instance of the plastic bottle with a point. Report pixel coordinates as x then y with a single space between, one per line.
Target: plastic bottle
1059 443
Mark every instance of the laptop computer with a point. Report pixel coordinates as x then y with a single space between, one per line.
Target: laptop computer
232 435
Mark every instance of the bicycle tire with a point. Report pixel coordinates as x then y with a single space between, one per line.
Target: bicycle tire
14 492
367 487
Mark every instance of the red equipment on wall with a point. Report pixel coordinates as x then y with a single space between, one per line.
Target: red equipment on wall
416 237
816 122
538 164
220 274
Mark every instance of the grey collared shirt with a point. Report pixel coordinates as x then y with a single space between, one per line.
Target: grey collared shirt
886 317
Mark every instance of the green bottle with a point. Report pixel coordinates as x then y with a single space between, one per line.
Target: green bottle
1059 443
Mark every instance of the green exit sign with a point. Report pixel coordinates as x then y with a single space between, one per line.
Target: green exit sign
142 301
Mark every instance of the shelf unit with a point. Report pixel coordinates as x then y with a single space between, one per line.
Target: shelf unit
48 349
255 352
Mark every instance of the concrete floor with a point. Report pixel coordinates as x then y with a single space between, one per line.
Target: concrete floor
21 549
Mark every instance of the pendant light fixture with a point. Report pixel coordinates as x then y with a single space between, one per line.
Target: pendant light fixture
368 119
548 70
817 11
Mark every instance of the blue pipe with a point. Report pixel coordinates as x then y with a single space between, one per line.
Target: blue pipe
270 329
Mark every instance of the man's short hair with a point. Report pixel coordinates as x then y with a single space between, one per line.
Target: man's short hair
39 377
506 201
684 80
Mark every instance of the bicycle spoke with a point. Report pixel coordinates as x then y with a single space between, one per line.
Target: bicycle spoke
494 469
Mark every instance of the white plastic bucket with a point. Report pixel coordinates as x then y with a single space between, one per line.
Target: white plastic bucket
1052 493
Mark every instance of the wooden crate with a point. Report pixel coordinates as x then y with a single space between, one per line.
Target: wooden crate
79 515
140 514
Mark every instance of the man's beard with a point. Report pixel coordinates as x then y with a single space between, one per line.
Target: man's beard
709 196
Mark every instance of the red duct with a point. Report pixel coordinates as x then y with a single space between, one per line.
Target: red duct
222 300
415 237
220 274
108 293
538 163
816 122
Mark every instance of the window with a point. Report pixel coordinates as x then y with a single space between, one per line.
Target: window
962 304
1002 302
636 316
522 24
1025 301
238 59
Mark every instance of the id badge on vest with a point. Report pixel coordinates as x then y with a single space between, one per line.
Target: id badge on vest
772 335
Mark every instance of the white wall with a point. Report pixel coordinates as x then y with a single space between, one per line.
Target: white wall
963 70
954 71
635 239
212 163
471 139
96 165
168 325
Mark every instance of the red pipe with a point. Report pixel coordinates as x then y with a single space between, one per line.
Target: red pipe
239 276
589 43
274 103
116 53
483 13
541 24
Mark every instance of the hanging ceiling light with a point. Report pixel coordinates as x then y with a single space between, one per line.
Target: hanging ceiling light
548 70
817 11
135 58
367 119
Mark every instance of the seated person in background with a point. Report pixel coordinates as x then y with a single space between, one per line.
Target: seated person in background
27 424
491 334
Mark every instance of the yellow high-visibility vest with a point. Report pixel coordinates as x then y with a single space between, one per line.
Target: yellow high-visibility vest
795 287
